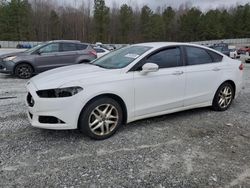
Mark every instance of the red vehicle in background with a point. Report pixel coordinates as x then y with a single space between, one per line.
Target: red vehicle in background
244 53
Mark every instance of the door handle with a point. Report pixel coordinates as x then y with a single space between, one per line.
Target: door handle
177 73
216 69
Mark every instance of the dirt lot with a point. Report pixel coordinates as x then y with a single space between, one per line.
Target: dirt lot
195 148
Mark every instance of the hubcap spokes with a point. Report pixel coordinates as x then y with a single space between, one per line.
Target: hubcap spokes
24 71
225 97
103 119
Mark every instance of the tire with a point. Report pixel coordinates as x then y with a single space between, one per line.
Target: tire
24 71
224 97
105 115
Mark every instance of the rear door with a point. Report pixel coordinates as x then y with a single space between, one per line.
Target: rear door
204 71
163 90
68 53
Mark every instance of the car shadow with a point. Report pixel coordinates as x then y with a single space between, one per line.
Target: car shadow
187 114
76 135
8 76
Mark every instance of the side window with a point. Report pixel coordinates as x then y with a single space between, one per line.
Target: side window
197 56
166 58
50 48
216 57
82 46
67 47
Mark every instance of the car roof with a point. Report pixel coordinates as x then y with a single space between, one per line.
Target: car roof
165 44
66 41
155 45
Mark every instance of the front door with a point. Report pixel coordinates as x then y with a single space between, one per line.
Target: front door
162 90
48 57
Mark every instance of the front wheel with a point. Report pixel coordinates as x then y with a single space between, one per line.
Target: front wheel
223 97
101 118
23 71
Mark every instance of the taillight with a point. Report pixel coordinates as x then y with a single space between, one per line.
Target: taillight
241 67
93 52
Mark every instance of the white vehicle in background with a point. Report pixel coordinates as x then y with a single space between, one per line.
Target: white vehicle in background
233 52
132 83
101 51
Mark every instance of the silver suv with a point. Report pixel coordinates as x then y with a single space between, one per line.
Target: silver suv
46 56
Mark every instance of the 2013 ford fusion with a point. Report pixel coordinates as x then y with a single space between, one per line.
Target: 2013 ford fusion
132 83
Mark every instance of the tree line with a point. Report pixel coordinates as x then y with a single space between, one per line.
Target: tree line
42 20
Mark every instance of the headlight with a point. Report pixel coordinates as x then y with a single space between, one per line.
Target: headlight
59 93
9 58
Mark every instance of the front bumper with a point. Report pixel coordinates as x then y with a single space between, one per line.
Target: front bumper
7 67
66 110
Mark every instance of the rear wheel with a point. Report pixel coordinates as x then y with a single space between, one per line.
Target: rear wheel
23 71
101 118
223 97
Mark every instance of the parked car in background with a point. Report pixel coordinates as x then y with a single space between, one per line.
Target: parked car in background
243 50
101 51
132 83
221 47
244 54
233 53
46 56
109 47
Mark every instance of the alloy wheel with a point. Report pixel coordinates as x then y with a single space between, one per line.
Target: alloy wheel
225 97
103 119
24 71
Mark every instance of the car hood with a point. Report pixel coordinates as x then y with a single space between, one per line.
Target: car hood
75 74
13 54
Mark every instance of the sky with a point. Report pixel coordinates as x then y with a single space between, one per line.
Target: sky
153 4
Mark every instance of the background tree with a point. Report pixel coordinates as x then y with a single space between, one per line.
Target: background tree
92 21
101 20
189 25
126 23
168 17
146 23
54 25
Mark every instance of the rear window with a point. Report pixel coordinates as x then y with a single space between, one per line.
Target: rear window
68 47
82 46
215 56
197 56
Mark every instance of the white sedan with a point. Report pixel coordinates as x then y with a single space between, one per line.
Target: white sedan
132 83
101 51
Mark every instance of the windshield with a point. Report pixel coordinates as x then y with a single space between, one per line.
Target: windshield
121 58
31 50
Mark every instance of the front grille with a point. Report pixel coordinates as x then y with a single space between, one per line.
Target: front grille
30 100
50 120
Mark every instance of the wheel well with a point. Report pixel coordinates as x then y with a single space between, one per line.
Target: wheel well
24 62
232 84
117 99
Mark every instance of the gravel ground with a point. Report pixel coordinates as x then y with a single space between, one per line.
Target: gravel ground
195 148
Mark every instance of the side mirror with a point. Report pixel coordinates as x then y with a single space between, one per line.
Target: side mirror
149 67
38 52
